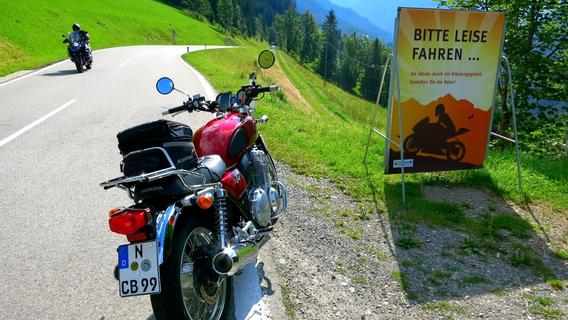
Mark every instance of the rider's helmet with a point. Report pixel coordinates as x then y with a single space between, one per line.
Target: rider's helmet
76 27
440 109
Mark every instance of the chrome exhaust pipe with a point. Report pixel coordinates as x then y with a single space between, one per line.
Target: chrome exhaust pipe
234 258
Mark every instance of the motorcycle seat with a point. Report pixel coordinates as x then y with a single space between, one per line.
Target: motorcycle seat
212 167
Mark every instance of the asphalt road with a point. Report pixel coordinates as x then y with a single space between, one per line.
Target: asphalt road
57 142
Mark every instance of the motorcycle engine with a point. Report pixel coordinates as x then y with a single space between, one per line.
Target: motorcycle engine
263 197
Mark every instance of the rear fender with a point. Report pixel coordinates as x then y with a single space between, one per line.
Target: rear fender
166 224
165 227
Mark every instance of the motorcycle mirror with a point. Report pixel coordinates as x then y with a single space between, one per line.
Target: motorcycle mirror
266 59
165 85
224 100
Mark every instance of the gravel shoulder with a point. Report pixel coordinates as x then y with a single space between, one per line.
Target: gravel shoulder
331 257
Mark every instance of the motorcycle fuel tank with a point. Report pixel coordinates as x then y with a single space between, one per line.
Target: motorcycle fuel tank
229 136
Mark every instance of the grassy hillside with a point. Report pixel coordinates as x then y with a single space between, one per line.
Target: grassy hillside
30 31
316 135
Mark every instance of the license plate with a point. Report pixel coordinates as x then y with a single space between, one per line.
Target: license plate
138 269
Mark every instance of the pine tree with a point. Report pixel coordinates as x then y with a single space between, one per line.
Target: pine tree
328 55
225 13
287 27
351 62
200 8
372 73
310 38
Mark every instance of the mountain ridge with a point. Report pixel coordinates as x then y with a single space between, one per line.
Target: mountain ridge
349 20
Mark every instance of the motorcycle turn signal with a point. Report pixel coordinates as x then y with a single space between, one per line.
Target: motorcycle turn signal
205 201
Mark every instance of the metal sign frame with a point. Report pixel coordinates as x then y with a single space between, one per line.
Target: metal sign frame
395 85
392 57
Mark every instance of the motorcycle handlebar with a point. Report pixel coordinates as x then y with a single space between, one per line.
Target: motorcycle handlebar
192 106
211 106
175 110
256 91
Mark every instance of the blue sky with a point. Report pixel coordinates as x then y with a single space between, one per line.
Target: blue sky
382 12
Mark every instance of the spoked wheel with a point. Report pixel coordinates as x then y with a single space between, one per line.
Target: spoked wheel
456 151
204 293
410 146
190 288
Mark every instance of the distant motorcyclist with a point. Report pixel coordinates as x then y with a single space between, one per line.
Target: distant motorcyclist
79 48
80 36
445 121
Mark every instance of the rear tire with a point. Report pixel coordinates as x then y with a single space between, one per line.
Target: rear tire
169 304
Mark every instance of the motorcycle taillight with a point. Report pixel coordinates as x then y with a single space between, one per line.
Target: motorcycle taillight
129 221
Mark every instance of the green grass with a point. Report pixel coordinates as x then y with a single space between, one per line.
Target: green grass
328 99
30 32
561 254
402 279
500 292
474 280
543 306
547 313
287 301
445 307
555 283
405 238
518 227
359 280
406 263
356 234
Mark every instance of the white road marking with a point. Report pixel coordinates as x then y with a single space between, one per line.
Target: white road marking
44 69
31 73
123 64
35 123
210 93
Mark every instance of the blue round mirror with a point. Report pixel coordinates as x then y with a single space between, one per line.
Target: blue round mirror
165 85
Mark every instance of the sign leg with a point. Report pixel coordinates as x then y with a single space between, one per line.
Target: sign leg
518 153
401 135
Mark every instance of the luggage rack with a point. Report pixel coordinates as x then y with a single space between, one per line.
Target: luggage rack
122 182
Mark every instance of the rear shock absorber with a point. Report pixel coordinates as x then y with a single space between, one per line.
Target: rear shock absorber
221 206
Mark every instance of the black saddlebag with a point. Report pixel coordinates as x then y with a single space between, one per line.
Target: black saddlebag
174 137
143 149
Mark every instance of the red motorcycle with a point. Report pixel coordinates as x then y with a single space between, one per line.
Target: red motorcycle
204 203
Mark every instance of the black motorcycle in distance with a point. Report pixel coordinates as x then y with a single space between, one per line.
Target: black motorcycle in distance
433 138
